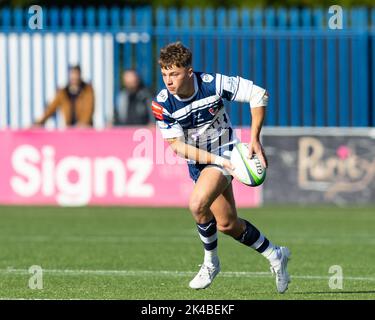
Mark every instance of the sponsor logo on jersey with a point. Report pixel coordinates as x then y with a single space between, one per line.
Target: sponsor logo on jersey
162 96
207 77
197 115
212 111
157 110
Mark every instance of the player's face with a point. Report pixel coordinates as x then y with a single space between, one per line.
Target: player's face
178 80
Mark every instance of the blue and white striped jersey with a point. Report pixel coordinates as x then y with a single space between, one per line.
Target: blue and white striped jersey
201 119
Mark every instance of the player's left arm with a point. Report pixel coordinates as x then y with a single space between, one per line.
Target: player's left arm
255 146
258 102
243 90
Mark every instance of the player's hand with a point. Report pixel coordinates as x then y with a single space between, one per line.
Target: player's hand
228 165
225 163
255 147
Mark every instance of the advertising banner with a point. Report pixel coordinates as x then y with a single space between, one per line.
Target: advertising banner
327 167
75 167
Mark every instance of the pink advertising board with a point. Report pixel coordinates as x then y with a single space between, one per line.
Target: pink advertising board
75 167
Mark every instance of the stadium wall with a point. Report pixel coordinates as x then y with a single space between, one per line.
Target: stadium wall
316 76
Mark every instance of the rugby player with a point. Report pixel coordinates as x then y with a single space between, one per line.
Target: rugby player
191 116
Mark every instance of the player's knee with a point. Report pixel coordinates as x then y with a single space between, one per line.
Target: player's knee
198 206
226 227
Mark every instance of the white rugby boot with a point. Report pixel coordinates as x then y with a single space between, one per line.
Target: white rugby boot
205 276
279 268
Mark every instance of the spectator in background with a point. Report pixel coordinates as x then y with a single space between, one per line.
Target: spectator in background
133 102
76 102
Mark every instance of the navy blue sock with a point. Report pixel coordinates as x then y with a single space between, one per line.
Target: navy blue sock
208 234
251 237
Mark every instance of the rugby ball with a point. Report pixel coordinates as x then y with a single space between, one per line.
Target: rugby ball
248 171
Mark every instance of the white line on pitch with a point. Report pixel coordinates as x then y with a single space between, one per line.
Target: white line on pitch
226 274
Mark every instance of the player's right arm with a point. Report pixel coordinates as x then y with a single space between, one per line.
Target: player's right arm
190 152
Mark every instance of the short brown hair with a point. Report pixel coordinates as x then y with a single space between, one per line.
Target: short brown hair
175 54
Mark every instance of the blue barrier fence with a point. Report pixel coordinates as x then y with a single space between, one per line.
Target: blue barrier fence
316 76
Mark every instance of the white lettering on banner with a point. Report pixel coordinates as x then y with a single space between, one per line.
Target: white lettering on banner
73 193
48 168
142 168
23 159
105 165
74 180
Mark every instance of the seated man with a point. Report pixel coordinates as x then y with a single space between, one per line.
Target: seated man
76 101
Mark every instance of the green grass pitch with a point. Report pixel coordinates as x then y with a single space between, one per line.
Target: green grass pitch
152 253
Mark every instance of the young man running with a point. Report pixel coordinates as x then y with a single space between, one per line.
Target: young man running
191 116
